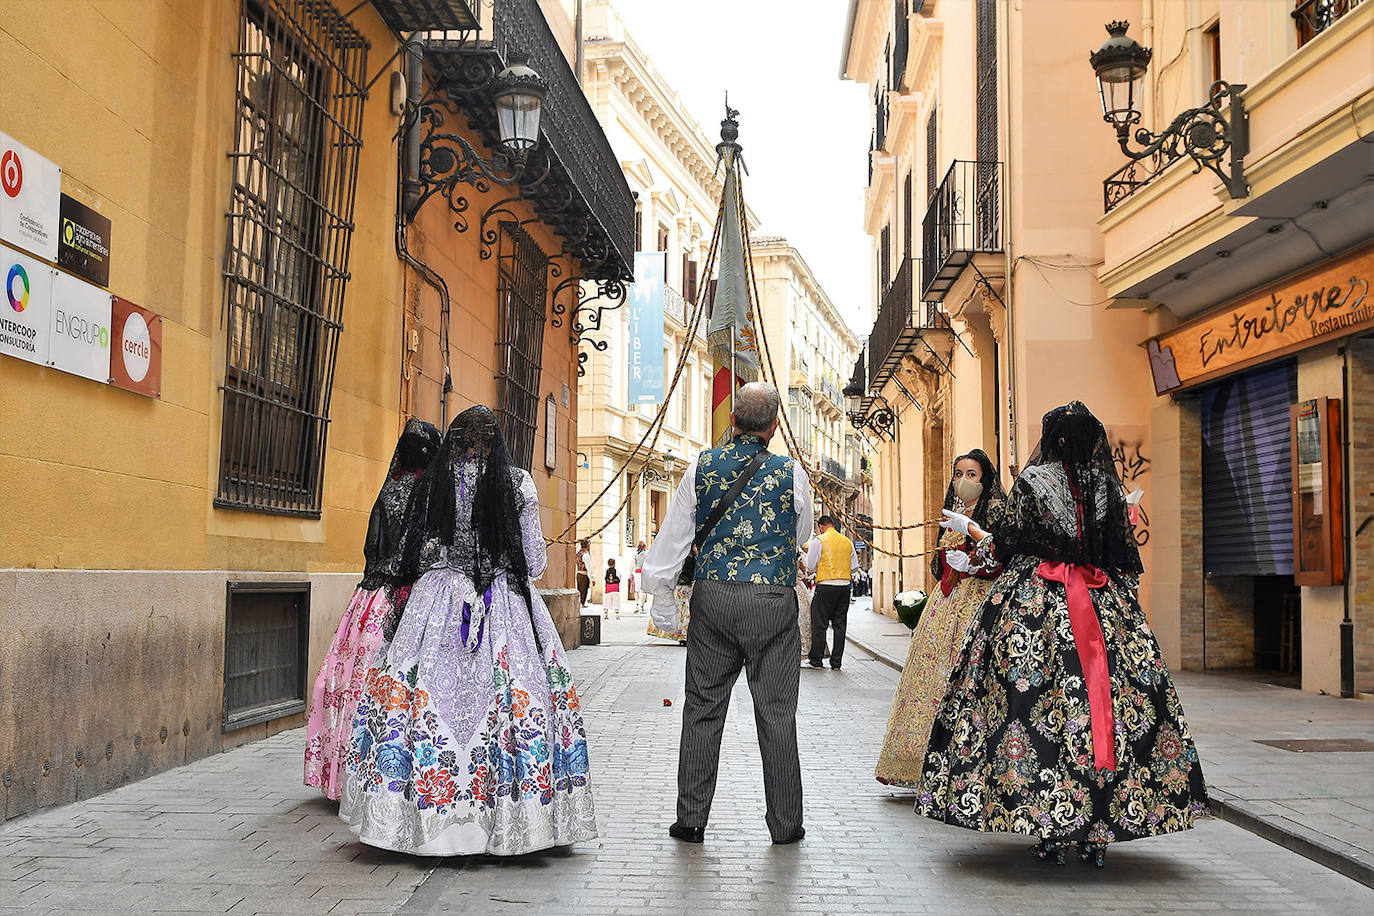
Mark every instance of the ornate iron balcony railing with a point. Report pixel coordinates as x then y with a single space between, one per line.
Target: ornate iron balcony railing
901 319
964 218
1316 16
585 197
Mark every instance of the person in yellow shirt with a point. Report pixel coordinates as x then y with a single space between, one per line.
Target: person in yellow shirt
833 560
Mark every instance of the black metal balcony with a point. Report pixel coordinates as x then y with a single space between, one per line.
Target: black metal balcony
1316 16
427 15
585 197
901 319
964 219
834 468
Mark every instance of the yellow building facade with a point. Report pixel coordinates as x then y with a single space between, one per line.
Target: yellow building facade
158 554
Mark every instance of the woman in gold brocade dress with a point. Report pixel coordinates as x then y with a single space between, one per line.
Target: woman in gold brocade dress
962 584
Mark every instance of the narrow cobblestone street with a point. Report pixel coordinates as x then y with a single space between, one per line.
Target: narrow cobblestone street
239 833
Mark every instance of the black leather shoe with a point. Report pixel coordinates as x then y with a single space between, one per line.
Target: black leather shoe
790 838
834 667
687 834
814 665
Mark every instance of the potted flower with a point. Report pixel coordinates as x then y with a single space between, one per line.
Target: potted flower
909 606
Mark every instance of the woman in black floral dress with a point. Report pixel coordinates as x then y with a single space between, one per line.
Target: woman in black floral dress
1060 720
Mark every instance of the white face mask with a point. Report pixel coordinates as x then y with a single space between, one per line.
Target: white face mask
967 491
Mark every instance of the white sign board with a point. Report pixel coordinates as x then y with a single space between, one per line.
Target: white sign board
30 198
26 307
80 328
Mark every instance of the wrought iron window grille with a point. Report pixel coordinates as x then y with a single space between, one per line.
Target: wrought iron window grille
300 92
522 288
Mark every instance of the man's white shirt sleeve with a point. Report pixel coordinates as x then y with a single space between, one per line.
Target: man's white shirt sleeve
664 558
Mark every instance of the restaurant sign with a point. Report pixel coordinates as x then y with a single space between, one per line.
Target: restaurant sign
1320 304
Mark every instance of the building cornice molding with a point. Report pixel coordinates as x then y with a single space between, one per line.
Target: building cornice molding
660 109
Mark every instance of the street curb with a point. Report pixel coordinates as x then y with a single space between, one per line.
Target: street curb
877 654
1235 811
1305 843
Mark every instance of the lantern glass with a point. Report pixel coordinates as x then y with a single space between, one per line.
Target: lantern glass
519 97
1120 91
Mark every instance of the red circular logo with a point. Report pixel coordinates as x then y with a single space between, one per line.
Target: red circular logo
11 173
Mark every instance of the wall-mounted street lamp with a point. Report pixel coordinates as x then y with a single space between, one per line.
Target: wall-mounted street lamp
1203 133
440 161
880 419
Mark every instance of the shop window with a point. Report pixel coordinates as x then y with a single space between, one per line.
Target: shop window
521 291
301 68
266 641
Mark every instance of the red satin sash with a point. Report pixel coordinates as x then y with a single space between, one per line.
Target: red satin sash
1092 650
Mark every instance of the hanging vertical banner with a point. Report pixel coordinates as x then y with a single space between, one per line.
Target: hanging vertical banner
29 190
135 349
646 328
84 247
25 325
80 328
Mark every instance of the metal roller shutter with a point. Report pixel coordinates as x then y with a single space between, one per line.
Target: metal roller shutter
1247 507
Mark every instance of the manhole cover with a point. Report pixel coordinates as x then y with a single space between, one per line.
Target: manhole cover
1321 745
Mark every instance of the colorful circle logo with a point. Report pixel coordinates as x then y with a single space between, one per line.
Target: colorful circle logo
21 301
11 173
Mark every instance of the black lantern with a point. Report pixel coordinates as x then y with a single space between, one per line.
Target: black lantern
519 94
1204 134
1120 66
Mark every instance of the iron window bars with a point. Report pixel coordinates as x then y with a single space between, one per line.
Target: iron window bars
521 291
301 70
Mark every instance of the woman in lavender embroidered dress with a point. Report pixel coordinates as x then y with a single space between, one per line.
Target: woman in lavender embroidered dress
370 616
469 736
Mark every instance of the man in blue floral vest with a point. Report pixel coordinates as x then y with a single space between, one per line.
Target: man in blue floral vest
743 609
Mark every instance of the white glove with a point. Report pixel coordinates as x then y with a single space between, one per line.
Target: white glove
958 560
956 522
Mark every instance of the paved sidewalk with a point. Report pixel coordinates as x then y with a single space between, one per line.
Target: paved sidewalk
238 833
1306 797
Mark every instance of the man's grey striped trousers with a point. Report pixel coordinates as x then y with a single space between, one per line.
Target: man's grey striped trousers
734 625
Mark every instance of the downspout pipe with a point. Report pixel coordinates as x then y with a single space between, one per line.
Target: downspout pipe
415 77
408 167
1348 544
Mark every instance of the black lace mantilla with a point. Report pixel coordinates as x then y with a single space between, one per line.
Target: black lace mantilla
417 445
1068 505
465 511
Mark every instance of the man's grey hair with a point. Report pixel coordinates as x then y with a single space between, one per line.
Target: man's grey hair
756 407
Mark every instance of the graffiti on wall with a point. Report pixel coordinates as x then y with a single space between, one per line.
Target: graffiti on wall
1133 466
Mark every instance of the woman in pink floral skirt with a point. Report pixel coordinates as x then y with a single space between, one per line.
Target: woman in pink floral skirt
370 617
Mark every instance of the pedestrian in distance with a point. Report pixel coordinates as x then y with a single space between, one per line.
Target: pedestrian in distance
637 593
469 737
832 560
744 511
611 599
583 559
963 580
1061 721
371 615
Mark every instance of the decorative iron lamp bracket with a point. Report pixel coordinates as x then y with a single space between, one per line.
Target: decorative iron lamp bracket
1203 134
449 161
